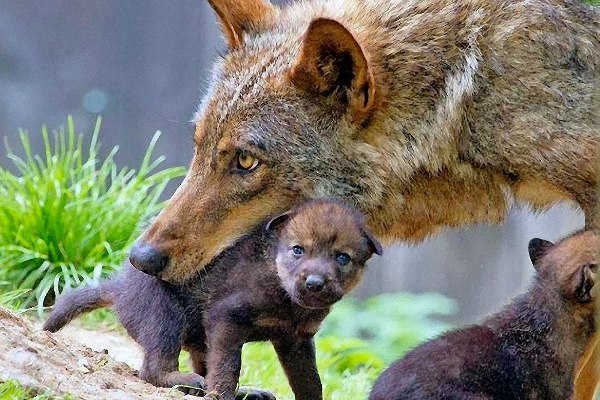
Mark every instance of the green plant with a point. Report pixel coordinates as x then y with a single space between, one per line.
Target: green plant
11 299
390 324
67 217
12 390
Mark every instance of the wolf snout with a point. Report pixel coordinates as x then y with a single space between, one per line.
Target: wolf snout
314 282
148 258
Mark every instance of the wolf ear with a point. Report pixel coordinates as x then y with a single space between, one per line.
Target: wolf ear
239 16
275 223
585 282
537 248
331 61
373 243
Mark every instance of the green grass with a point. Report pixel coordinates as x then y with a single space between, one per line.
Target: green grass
11 299
390 324
12 390
69 217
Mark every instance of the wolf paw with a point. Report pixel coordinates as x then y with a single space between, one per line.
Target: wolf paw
253 394
190 383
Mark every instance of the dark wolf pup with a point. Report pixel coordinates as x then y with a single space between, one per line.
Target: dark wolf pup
526 351
276 284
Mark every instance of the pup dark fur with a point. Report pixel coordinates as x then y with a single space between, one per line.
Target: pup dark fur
528 350
276 284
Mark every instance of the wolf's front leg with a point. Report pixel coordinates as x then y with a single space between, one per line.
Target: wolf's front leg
300 366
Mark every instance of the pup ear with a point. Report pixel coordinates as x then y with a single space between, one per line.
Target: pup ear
275 223
537 248
239 16
373 243
585 282
332 62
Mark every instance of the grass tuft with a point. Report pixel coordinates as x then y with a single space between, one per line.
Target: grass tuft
13 390
11 299
69 218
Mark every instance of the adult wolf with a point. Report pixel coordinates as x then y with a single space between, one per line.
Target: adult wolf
421 113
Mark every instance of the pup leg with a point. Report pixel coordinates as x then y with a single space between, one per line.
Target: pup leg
299 363
224 364
161 339
224 359
162 369
199 361
198 358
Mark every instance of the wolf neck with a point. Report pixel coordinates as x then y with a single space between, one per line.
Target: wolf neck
427 82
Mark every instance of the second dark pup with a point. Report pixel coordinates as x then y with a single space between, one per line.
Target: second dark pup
526 351
276 284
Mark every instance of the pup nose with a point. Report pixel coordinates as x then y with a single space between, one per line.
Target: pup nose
315 283
148 258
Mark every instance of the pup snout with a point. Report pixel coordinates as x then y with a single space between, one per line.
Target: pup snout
314 283
148 258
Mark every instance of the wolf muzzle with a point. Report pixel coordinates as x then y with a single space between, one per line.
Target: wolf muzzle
148 258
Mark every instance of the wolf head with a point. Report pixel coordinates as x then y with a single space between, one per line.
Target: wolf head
570 267
277 126
322 249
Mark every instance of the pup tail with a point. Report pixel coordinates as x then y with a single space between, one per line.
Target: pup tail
75 302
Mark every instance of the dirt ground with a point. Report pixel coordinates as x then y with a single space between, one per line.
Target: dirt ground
61 364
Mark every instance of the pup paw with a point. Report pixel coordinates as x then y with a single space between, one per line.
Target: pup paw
190 383
253 394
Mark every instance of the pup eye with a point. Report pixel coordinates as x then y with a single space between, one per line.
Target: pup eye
342 258
246 162
298 250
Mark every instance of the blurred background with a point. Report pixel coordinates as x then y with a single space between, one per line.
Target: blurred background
143 65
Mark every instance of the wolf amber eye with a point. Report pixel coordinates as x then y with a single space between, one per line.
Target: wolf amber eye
246 162
342 258
298 250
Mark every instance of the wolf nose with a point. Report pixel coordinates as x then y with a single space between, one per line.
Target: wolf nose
315 283
147 258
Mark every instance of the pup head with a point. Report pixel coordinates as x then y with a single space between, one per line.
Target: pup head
322 250
290 99
571 265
